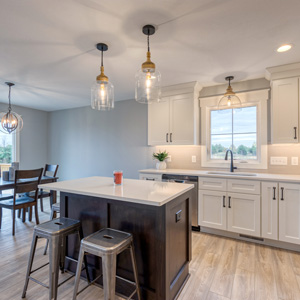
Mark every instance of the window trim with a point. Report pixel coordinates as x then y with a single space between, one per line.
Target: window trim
253 98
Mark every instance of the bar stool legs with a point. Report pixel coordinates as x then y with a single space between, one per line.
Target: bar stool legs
109 275
55 231
96 244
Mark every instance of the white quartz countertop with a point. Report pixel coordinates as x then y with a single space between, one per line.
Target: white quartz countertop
137 191
237 175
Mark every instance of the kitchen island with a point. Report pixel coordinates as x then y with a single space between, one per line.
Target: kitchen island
157 214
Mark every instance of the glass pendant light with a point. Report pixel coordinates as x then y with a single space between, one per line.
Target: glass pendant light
230 99
11 122
148 78
102 92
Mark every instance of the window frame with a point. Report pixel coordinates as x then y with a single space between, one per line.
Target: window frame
252 98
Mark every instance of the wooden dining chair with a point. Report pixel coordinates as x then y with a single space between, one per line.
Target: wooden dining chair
51 171
26 181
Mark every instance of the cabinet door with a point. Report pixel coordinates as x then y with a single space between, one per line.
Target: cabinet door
269 210
243 214
285 111
289 212
182 119
212 212
158 123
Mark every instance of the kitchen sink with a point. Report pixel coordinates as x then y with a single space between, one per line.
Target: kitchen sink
230 173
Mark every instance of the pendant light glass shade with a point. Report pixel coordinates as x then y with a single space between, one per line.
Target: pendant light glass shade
148 78
102 91
230 99
11 122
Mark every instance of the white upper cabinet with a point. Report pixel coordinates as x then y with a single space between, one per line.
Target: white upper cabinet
159 122
285 110
175 120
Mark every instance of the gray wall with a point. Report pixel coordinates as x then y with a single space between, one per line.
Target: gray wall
85 142
33 137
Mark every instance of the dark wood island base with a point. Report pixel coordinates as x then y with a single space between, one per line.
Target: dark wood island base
162 240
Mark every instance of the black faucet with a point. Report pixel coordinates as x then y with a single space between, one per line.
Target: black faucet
231 161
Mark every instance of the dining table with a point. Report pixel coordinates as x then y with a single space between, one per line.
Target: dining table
10 185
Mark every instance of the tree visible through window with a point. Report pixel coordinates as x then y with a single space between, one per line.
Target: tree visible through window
6 148
234 129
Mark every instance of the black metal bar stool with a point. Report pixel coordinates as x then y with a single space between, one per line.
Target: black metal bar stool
54 208
55 231
107 244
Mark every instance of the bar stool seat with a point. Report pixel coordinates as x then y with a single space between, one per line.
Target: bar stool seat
107 244
55 231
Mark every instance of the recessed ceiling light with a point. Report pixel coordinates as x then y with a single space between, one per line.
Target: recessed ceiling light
284 48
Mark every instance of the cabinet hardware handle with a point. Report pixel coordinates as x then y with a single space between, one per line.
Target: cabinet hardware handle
167 138
295 137
229 205
282 194
224 201
274 195
171 137
150 179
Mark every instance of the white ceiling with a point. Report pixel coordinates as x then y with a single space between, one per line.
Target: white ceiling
48 47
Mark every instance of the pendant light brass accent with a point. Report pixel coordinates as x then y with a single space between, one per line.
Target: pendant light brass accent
102 92
230 99
148 78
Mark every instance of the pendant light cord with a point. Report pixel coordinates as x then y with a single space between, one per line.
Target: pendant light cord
102 58
9 91
148 41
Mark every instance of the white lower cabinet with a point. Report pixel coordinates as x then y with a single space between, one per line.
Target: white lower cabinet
281 211
289 212
269 210
235 212
243 214
212 212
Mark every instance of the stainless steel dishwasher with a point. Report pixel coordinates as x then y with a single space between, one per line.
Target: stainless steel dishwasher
189 180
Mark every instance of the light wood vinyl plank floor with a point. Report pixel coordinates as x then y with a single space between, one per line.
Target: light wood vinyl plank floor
221 269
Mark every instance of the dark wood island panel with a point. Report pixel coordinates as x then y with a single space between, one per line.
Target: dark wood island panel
162 240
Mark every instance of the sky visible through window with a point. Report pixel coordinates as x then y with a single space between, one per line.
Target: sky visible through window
234 129
5 148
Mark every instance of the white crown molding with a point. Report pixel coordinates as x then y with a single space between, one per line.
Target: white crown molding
284 71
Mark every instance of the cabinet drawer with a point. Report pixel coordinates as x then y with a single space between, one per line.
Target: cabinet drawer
243 186
152 177
214 184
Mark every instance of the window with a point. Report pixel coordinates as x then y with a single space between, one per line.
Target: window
6 148
9 150
244 131
234 129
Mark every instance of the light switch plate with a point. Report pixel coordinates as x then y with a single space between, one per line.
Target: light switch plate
278 160
169 159
194 158
294 161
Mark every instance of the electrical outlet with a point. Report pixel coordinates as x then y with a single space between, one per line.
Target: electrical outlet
169 158
294 161
280 160
194 158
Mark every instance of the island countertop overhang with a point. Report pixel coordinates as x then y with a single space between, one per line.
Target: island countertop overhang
135 191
